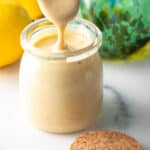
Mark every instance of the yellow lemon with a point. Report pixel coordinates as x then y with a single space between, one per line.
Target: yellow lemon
13 19
9 1
32 7
141 53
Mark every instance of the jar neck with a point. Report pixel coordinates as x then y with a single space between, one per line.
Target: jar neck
41 28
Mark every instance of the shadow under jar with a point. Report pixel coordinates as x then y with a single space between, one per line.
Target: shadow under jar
61 92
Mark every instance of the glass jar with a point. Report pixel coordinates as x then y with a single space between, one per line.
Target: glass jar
61 92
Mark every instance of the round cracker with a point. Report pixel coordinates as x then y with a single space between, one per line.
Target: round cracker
105 140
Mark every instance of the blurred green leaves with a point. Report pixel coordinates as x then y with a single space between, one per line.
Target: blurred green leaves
125 24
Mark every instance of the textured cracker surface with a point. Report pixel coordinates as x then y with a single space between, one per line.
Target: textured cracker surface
105 140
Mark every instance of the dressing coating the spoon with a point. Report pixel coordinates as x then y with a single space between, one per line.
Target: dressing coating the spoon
60 12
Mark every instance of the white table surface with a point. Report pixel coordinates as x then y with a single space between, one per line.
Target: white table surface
126 108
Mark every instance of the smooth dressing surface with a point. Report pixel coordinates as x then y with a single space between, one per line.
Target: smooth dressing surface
74 41
60 12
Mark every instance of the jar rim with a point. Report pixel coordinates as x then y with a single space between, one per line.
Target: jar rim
27 46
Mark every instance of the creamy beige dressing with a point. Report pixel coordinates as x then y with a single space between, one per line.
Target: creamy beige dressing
60 12
59 95
74 41
62 96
